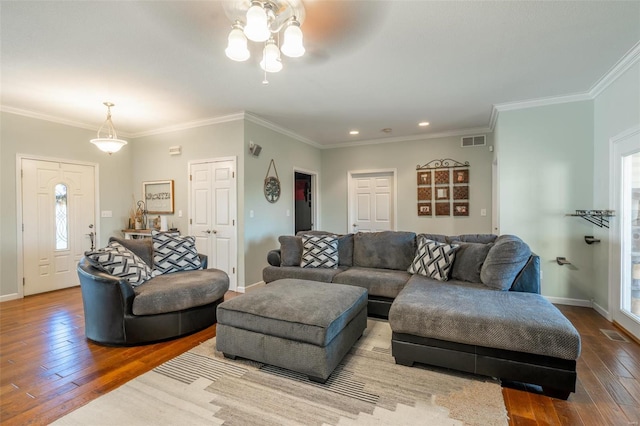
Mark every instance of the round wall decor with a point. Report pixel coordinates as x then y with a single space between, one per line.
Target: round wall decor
272 184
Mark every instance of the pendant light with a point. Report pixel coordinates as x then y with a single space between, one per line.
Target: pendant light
107 139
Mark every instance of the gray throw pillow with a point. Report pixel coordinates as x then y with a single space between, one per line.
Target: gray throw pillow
290 250
469 260
504 261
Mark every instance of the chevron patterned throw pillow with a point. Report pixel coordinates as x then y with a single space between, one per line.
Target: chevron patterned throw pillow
117 260
173 253
319 251
433 259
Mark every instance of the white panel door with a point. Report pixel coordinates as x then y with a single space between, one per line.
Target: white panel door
213 214
372 202
58 215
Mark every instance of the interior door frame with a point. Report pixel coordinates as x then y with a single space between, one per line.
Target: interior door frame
233 159
350 192
19 235
615 244
315 198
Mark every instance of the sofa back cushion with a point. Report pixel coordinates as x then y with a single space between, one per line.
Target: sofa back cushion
142 247
504 261
290 250
469 260
473 238
384 250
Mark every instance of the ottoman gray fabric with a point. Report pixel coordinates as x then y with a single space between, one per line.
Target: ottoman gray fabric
301 325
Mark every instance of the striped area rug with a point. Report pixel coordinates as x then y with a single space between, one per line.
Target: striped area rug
367 388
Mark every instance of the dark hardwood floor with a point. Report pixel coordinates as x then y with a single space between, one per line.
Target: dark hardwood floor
48 368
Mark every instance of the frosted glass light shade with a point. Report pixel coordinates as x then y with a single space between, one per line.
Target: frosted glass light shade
292 46
257 28
271 57
237 48
108 145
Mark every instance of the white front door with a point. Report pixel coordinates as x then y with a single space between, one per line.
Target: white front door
58 218
212 215
625 244
372 201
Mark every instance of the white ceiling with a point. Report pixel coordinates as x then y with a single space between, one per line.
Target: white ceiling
369 64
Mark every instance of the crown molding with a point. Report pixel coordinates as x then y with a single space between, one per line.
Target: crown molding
277 128
461 132
51 118
191 125
627 61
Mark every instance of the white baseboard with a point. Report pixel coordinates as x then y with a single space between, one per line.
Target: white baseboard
8 297
570 302
251 287
599 309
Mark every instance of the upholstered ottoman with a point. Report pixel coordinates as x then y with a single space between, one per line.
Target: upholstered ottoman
304 326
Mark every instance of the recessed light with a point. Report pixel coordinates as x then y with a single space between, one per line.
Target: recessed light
423 124
354 132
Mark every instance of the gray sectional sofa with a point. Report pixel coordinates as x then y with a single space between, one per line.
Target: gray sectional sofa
488 318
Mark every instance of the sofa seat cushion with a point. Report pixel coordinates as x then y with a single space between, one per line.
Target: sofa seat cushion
300 310
470 314
179 291
325 275
379 282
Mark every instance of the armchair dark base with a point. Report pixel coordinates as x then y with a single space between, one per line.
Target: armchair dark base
556 376
141 330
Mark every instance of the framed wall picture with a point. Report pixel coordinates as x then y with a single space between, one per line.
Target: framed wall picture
424 209
442 193
424 178
461 176
461 209
461 192
424 194
443 209
158 196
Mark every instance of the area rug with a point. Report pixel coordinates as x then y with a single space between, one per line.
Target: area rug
367 388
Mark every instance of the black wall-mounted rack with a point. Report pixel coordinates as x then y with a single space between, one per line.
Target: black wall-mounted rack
597 217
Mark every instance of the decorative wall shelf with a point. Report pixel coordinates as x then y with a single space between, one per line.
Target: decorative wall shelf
597 217
589 239
562 261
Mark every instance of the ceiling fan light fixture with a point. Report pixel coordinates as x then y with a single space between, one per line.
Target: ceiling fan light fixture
265 21
292 46
257 28
271 57
237 47
107 138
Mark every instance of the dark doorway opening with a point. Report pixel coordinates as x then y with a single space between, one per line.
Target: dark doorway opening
303 202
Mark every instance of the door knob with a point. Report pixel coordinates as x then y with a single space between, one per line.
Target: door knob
214 231
208 231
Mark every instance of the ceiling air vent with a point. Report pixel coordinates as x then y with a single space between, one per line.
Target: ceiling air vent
480 140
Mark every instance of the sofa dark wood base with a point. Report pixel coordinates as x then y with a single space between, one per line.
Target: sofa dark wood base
379 306
556 376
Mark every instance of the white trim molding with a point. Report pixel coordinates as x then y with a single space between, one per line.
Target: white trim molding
190 125
277 128
626 62
568 301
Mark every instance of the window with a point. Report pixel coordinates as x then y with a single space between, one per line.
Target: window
62 217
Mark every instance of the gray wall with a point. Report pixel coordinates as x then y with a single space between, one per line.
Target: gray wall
545 158
405 156
153 162
270 220
616 109
23 135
